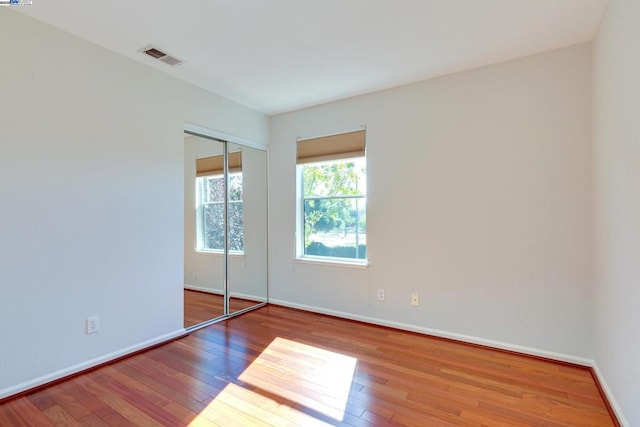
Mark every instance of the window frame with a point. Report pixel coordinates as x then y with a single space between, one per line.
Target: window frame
300 256
200 212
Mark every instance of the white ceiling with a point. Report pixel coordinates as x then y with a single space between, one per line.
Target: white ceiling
281 55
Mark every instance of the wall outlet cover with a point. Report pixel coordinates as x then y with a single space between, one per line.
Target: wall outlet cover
92 324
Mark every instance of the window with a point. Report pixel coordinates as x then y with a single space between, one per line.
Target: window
333 190
210 191
210 204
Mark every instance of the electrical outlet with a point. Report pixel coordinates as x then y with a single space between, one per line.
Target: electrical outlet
380 294
415 299
92 324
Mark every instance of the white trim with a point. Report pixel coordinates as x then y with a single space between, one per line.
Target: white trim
298 248
443 334
212 133
254 298
218 252
331 262
205 290
62 373
609 395
257 299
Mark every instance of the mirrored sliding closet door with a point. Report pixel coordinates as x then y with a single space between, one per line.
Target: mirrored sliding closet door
225 211
247 213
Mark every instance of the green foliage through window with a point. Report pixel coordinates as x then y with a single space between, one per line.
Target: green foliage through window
334 207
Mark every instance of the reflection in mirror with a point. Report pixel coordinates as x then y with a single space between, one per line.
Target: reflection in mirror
203 230
247 213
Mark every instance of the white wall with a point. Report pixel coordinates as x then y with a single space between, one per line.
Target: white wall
247 272
91 186
617 204
479 199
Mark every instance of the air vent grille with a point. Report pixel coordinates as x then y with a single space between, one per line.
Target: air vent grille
156 53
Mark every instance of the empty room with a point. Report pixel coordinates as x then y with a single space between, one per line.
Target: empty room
297 213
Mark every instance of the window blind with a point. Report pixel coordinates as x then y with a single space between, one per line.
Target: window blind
340 146
214 165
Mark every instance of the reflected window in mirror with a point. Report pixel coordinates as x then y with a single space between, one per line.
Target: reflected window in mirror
210 213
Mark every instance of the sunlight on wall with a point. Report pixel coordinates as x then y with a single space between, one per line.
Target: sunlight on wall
288 382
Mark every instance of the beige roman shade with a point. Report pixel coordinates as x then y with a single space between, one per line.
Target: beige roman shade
341 146
214 165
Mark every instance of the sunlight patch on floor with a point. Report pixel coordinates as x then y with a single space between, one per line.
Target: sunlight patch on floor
287 375
313 377
239 406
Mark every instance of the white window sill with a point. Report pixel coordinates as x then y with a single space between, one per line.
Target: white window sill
218 253
332 262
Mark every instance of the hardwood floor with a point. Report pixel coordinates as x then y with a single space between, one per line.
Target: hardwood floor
278 366
201 306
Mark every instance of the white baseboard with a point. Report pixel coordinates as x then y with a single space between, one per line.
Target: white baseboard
609 395
202 289
217 292
45 379
443 334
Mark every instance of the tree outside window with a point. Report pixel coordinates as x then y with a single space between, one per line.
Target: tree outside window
334 209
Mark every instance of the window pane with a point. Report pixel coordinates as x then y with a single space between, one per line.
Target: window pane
213 222
342 178
236 234
213 209
235 187
335 228
214 226
213 189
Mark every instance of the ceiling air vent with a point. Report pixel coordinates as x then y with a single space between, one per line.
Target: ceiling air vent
156 53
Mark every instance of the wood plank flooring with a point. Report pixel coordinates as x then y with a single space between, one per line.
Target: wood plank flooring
283 367
201 306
